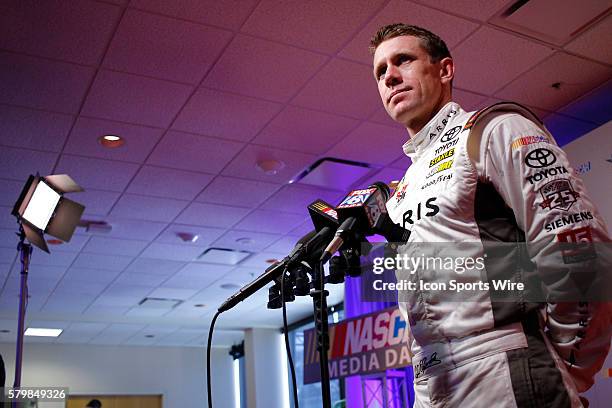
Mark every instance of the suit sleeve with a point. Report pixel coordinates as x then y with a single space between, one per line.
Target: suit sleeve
566 237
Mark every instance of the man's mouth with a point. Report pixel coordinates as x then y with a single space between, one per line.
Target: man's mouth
396 92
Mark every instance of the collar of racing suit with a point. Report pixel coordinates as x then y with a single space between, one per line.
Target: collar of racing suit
416 145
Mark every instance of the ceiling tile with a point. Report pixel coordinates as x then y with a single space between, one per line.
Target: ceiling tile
43 84
19 164
127 291
97 173
478 9
76 243
595 43
168 292
102 245
211 215
147 208
142 279
482 65
386 175
164 47
96 202
302 229
227 13
7 220
535 87
450 28
295 198
34 129
68 287
320 26
205 235
284 245
371 143
341 87
10 190
238 192
116 333
58 258
134 229
260 260
305 130
74 304
76 31
139 140
154 266
244 165
90 275
162 182
102 261
264 69
135 99
105 311
198 275
172 252
191 152
215 113
270 221
240 240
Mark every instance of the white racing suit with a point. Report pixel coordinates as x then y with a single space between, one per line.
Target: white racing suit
498 176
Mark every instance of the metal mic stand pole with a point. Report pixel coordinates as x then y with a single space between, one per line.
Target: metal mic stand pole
319 298
25 251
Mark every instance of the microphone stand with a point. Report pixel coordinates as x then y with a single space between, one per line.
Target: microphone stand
25 251
319 299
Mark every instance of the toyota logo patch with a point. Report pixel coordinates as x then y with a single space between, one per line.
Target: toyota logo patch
539 158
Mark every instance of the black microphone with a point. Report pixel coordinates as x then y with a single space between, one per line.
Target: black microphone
271 273
361 210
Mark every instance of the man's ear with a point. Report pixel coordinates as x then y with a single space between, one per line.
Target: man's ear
447 70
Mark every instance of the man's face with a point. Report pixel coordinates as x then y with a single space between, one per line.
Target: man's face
409 84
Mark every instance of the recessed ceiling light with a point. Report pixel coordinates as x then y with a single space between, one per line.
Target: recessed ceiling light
187 236
39 332
200 305
5 331
55 242
111 141
272 261
245 240
270 166
149 336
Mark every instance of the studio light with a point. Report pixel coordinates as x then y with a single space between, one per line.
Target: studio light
43 209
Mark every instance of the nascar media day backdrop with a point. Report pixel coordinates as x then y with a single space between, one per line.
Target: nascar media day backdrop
365 344
591 157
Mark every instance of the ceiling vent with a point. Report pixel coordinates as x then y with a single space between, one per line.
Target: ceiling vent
159 303
224 256
553 21
333 173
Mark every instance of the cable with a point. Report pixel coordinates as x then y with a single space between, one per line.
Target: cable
208 349
287 347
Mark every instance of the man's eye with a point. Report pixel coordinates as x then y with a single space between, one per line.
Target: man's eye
381 73
403 58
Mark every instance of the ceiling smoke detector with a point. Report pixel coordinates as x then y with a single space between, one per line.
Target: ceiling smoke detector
187 236
111 141
270 166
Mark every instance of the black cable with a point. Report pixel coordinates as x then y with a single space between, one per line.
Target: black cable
208 349
287 347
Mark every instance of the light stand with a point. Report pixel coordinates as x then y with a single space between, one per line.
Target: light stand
319 300
25 251
41 209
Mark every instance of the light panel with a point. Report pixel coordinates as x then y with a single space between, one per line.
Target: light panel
40 332
41 206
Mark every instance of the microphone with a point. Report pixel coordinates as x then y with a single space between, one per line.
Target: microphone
308 249
271 273
361 210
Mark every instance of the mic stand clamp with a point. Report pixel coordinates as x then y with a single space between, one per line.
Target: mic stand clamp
319 298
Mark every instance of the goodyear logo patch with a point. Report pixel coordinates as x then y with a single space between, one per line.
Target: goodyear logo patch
441 157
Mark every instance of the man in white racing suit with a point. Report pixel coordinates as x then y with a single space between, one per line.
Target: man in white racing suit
494 176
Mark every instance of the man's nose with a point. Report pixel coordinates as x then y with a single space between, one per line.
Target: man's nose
392 76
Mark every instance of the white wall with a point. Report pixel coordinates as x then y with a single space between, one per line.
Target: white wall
266 373
176 372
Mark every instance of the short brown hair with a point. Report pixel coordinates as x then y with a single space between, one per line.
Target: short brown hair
434 45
